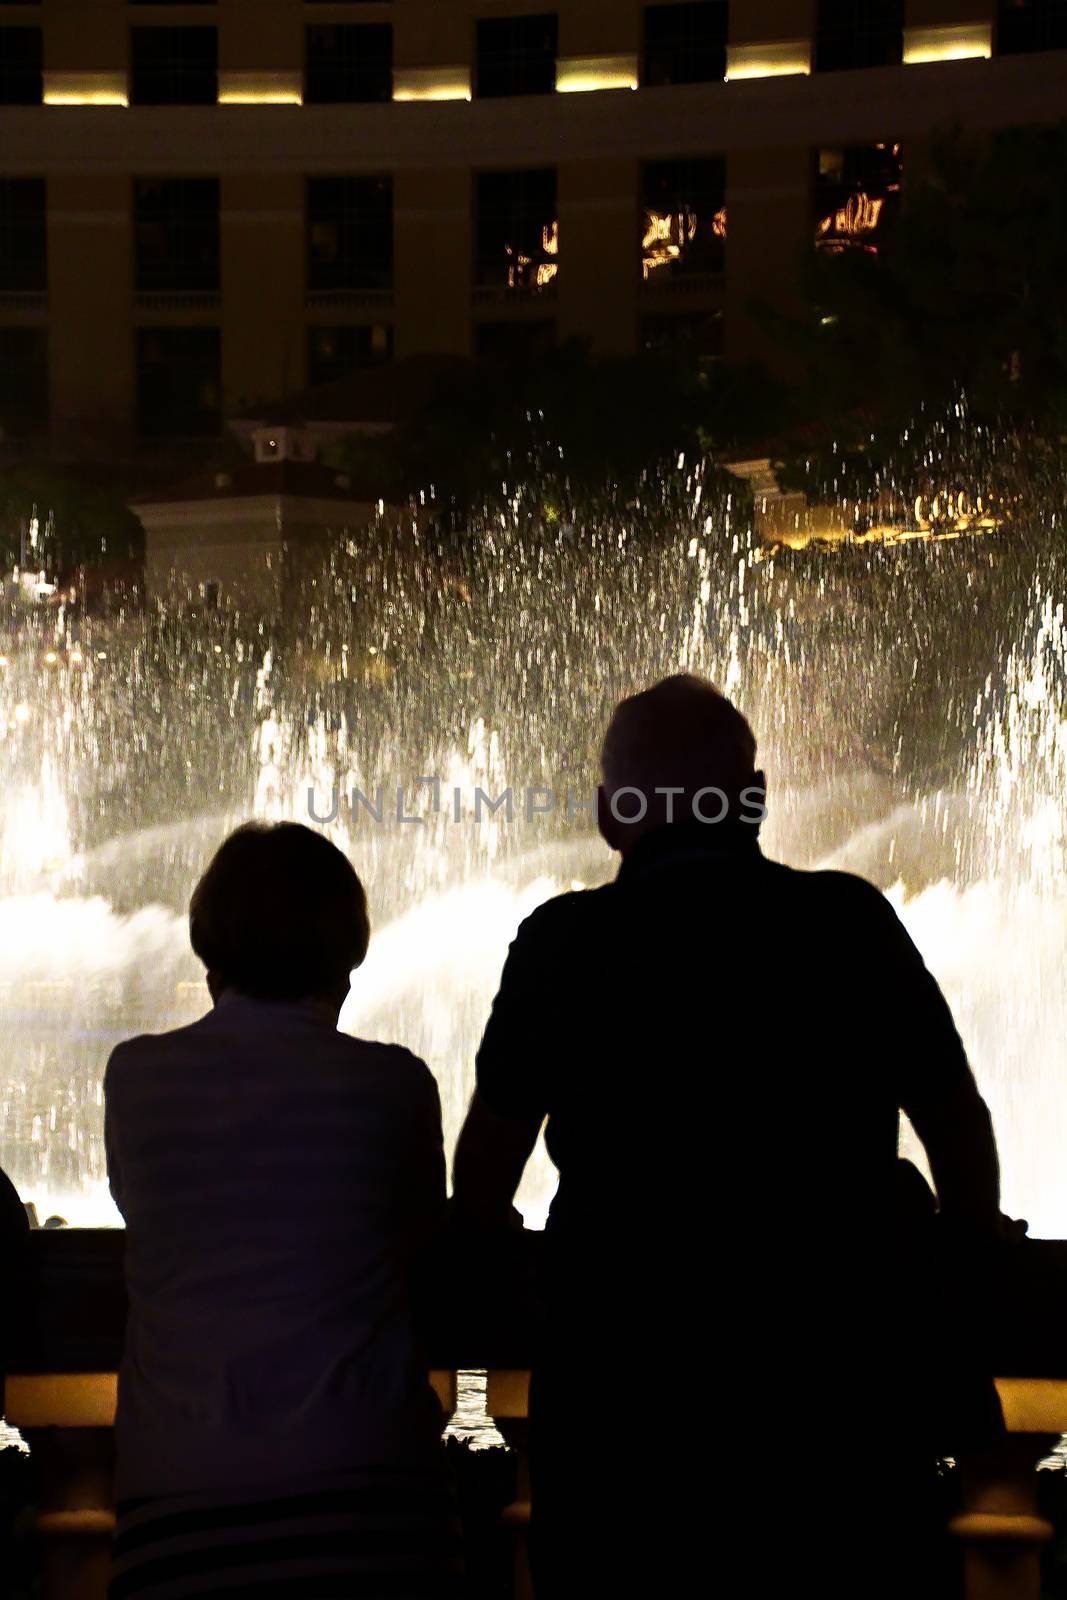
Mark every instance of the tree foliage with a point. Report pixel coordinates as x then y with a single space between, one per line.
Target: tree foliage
83 520
965 294
587 424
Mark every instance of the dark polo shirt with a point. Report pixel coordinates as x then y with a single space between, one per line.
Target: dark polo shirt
721 1045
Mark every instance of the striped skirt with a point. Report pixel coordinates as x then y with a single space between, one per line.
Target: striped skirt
361 1536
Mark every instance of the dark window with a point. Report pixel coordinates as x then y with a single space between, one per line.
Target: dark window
348 63
176 233
516 342
335 352
1031 25
855 195
174 67
685 43
859 33
179 387
517 55
23 235
23 380
21 77
700 333
350 233
683 226
518 229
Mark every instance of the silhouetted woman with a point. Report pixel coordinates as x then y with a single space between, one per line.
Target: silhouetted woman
276 1431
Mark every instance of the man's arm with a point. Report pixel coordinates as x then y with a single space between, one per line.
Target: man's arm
114 1174
491 1156
512 1096
936 1087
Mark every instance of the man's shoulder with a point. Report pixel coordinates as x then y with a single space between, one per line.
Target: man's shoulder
573 910
827 892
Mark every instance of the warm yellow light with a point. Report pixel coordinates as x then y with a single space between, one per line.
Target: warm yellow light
260 89
260 100
73 99
432 83
784 59
967 41
85 89
587 74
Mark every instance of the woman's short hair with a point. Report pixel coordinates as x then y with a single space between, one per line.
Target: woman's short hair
280 913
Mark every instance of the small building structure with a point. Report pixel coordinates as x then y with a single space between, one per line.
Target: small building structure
245 537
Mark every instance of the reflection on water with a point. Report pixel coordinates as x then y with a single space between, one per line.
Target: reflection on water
910 703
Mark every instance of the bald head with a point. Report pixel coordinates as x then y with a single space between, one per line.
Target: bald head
681 735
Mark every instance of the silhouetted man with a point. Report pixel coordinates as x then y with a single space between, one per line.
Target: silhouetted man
722 1046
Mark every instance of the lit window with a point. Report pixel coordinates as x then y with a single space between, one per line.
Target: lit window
684 223
350 233
1024 25
21 75
176 233
174 66
859 33
685 43
856 193
517 230
516 55
23 235
346 64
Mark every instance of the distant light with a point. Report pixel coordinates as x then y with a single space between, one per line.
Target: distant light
432 83
260 89
101 655
51 657
967 41
784 59
22 713
85 89
587 74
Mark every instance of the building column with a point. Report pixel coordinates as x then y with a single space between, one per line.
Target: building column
264 344
90 296
599 255
432 264
768 208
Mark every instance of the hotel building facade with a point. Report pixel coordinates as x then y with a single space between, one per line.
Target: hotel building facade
212 205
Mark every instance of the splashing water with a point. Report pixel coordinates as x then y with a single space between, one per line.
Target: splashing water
910 700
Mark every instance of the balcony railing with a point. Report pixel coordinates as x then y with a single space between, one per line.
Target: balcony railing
63 1381
683 285
349 300
171 300
501 294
